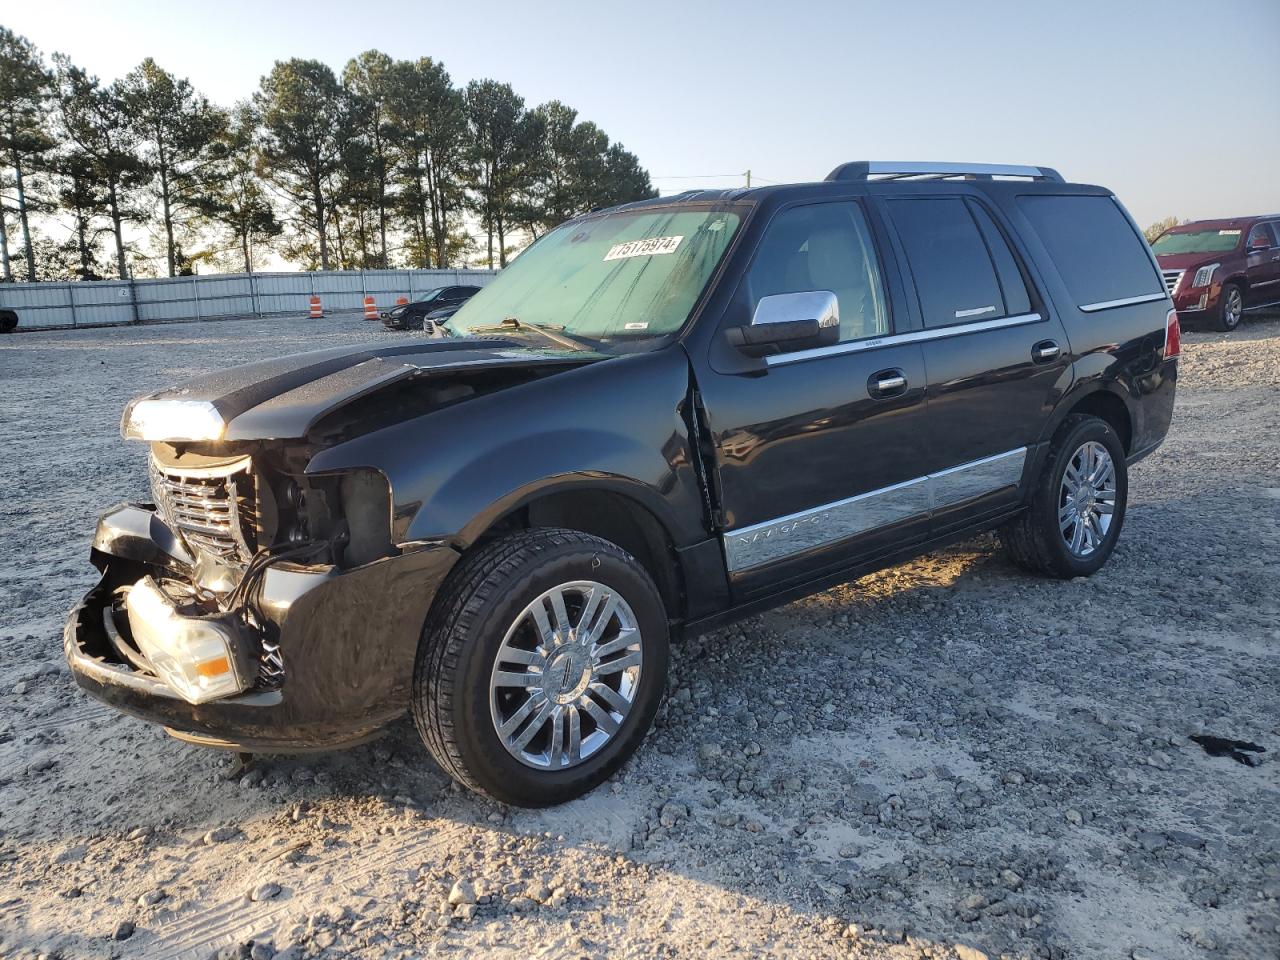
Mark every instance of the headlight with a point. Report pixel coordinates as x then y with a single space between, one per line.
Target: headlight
199 658
1204 275
172 420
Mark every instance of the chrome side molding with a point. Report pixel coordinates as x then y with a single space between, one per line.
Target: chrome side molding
830 523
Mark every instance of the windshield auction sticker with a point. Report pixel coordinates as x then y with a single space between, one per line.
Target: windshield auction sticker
643 248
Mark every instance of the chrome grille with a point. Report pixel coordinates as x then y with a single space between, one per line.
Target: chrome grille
270 665
1171 278
212 508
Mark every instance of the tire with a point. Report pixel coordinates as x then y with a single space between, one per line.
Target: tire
1230 307
483 611
1038 540
8 321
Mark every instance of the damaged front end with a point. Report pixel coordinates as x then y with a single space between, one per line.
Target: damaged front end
261 601
253 606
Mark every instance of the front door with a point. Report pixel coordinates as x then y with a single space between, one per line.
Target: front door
1262 264
996 362
818 453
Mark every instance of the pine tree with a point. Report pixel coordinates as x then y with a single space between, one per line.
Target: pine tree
24 138
299 103
176 127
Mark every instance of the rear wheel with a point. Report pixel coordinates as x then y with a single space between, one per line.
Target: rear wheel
1230 307
1077 506
541 666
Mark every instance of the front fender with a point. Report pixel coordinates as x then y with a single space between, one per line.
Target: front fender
616 424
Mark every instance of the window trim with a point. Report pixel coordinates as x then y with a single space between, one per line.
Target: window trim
1122 302
911 336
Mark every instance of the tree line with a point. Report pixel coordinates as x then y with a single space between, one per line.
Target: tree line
388 165
1153 232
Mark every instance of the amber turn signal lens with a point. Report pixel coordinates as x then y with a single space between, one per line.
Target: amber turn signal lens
214 668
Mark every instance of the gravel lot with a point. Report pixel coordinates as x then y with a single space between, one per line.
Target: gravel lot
949 758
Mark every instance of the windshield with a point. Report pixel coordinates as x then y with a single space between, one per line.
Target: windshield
429 295
1198 241
623 276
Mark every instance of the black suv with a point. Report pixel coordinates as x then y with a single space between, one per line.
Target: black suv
439 304
660 418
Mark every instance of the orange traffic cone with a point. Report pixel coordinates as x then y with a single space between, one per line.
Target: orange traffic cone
316 311
370 309
401 301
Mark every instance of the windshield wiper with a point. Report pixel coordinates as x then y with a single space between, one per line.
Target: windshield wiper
554 334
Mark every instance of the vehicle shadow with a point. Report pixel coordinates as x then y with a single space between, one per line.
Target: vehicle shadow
896 753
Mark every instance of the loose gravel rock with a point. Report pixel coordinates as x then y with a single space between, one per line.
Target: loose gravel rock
945 759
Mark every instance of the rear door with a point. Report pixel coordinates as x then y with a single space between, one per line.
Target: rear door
818 452
996 357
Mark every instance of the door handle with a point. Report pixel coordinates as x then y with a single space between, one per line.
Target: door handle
1044 351
887 383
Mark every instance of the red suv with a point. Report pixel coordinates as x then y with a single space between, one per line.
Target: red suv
1221 269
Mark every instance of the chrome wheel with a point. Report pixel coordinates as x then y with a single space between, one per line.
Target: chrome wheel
1233 309
1087 498
566 675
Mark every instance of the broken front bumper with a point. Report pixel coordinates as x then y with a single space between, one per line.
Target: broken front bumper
344 641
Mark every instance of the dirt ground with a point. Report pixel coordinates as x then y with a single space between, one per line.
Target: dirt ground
949 758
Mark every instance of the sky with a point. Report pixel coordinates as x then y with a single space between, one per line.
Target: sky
1173 105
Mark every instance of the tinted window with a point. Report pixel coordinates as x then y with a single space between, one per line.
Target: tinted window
1012 284
953 273
823 246
1095 248
1259 237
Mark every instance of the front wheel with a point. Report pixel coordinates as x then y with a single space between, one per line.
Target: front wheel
1230 307
541 666
1078 504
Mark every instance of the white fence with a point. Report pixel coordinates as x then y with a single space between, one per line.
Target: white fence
106 302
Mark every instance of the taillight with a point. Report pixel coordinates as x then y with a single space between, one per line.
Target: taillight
1172 336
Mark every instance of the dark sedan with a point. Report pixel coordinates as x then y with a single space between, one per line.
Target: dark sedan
410 316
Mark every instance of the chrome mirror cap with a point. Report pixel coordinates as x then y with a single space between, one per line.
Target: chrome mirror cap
820 305
788 322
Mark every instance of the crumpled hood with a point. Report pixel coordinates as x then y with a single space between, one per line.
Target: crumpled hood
283 397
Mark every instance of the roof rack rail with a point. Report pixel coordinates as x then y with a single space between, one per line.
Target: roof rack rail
917 170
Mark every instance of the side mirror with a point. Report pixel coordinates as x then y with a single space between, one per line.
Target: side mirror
786 322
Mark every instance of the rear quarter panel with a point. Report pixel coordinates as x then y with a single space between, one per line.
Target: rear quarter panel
1118 349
